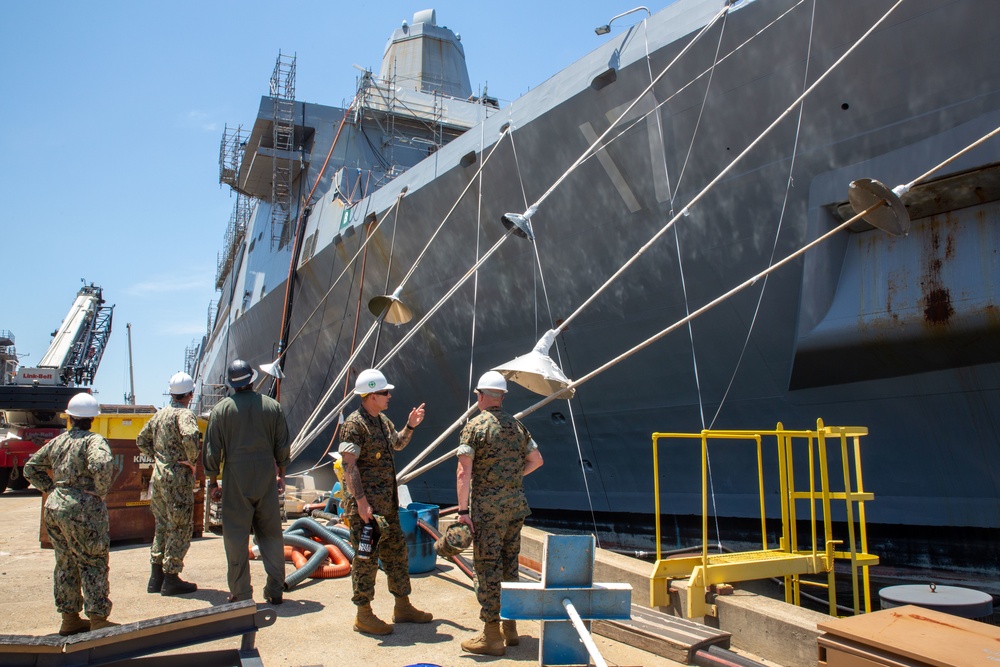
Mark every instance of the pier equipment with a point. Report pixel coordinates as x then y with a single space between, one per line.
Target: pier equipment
831 452
566 601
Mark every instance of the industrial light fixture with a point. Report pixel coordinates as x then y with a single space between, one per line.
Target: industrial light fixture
606 28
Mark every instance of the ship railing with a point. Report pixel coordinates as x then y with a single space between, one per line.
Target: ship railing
832 475
433 108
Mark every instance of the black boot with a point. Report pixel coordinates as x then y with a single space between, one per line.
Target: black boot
155 578
174 585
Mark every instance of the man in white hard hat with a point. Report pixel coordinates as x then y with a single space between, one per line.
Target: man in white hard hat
75 468
368 439
172 440
495 453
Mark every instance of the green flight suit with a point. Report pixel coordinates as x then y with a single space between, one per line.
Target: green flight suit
247 437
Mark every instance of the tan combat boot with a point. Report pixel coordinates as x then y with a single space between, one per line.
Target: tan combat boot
370 624
509 630
487 642
73 624
404 612
98 622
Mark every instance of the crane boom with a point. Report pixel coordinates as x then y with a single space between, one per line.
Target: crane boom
78 344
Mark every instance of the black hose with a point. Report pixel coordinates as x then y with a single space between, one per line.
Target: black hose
319 554
312 527
344 547
457 559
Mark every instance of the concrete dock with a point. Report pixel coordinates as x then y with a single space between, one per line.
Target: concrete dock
313 626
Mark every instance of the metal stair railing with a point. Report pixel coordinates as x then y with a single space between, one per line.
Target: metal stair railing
788 561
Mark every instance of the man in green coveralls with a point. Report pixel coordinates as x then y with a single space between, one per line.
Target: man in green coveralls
368 439
172 439
247 439
75 469
495 453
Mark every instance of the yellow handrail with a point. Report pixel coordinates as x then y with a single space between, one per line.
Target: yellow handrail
788 560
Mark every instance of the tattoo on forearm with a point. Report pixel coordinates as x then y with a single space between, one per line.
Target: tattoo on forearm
403 438
353 479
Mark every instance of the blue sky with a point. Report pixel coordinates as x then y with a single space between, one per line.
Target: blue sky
112 113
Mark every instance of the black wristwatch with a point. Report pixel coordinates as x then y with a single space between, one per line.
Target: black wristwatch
463 512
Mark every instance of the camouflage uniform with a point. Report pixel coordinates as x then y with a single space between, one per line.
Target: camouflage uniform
372 440
498 445
169 438
76 517
454 541
247 437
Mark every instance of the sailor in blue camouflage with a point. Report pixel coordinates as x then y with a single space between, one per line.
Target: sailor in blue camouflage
368 439
172 439
495 453
75 470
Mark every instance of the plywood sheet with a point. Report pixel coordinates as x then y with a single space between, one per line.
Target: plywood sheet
922 635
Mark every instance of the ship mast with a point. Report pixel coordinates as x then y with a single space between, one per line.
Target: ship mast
130 396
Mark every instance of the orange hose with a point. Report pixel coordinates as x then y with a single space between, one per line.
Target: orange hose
339 568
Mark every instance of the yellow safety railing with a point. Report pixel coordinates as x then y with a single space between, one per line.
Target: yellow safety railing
789 560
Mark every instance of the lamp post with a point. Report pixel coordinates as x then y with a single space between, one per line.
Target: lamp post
606 28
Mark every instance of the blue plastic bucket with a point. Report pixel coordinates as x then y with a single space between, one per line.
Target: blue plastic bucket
419 545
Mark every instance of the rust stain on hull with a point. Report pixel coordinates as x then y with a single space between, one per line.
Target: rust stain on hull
938 308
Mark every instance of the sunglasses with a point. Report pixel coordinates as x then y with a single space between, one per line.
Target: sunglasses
384 392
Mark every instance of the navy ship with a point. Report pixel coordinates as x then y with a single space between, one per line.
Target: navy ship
432 232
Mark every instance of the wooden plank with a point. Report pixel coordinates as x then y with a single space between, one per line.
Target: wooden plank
911 633
840 652
667 636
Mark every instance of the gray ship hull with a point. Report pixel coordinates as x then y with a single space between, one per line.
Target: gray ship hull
899 334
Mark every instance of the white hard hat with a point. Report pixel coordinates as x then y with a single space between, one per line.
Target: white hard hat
370 381
493 381
181 383
83 405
